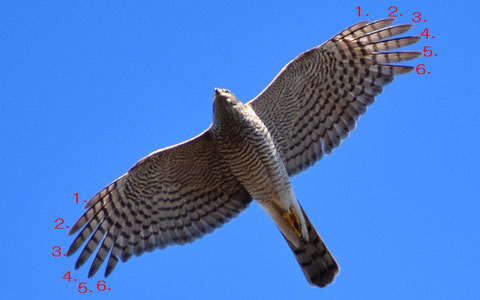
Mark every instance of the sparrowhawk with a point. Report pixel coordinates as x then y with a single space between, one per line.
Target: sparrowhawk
177 194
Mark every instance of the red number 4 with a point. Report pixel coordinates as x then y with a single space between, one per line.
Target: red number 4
67 276
425 33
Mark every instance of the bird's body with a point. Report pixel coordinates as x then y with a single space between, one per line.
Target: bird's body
246 146
177 194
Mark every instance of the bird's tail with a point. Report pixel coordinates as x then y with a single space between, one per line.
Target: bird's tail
316 261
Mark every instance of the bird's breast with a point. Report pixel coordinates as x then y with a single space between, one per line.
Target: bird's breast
249 151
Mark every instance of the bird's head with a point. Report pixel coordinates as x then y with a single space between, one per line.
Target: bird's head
225 103
225 97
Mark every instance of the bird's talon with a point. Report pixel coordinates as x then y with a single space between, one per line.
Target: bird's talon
294 222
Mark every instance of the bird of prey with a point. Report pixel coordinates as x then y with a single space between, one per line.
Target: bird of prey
177 194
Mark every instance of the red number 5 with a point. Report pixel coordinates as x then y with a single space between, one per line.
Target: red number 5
82 287
427 52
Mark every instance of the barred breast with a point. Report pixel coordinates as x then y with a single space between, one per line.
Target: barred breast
248 149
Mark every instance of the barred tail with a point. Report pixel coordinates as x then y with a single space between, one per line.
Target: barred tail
316 261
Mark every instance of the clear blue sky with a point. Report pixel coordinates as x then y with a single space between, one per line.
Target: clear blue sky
89 87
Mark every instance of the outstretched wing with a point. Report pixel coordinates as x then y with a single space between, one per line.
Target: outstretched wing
316 99
173 196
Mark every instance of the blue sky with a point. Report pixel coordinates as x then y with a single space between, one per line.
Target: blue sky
87 88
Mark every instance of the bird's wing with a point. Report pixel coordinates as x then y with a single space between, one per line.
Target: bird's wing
172 196
316 99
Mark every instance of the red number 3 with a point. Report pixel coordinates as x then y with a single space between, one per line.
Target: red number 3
58 251
416 17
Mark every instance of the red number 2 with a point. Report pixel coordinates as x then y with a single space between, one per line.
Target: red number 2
58 225
391 15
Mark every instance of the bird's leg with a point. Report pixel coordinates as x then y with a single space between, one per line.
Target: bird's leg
293 220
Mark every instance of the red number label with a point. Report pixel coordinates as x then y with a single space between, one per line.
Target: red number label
67 276
427 52
101 285
58 225
420 69
425 33
76 197
57 251
416 17
391 15
82 287
358 7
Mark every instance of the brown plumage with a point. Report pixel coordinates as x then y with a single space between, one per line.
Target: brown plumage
177 194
